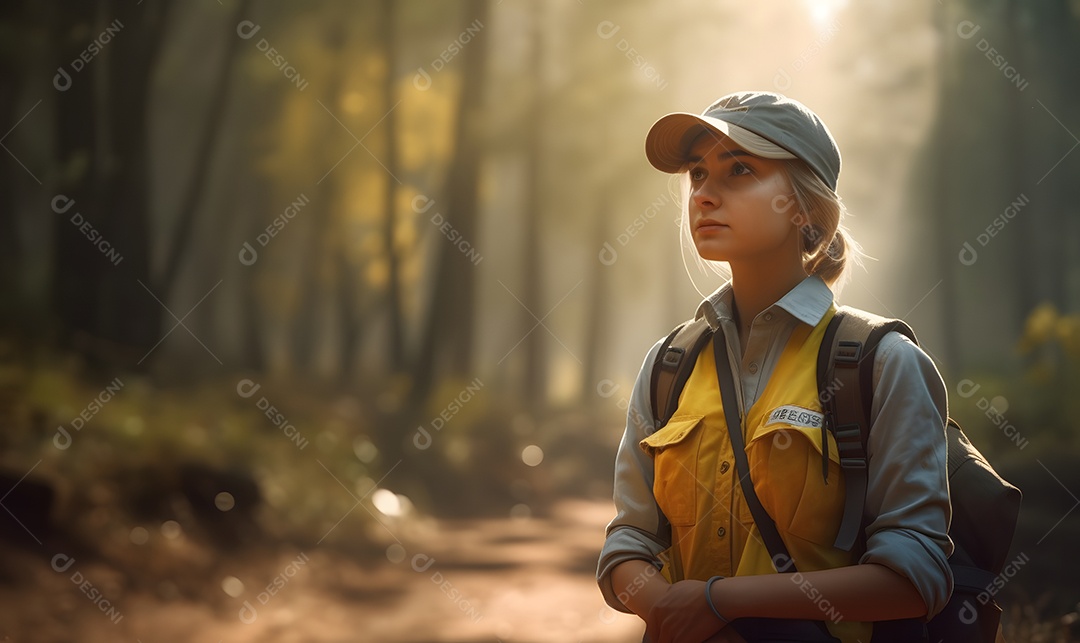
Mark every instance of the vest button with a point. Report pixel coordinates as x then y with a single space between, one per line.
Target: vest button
724 466
753 367
720 532
768 316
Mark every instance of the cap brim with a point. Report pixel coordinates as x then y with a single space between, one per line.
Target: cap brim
669 139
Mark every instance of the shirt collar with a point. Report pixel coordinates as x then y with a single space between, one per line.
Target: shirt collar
807 302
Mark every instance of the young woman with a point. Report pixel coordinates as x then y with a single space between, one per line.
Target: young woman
761 173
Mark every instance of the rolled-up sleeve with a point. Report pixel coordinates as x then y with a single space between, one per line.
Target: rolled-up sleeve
907 487
639 530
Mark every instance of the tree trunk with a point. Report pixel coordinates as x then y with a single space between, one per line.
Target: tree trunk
945 142
347 316
534 381
13 16
102 150
130 314
203 159
448 335
597 315
396 346
78 266
1055 228
1028 292
253 317
317 264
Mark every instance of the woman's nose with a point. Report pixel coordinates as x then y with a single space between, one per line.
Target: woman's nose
706 198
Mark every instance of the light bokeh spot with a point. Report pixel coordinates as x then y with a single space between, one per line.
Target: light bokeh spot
532 455
224 501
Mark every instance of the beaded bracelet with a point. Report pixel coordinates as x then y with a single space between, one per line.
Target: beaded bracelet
708 598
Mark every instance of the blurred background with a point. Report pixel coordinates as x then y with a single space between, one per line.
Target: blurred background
320 319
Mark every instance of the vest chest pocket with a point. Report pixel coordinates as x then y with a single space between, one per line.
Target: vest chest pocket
785 464
674 450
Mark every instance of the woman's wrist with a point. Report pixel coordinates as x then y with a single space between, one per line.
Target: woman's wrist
712 601
727 598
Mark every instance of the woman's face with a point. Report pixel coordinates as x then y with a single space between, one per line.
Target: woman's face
741 205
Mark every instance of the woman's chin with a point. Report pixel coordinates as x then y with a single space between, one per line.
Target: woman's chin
710 253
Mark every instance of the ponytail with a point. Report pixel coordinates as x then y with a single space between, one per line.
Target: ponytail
827 245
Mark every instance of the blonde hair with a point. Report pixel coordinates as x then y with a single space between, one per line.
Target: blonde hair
828 249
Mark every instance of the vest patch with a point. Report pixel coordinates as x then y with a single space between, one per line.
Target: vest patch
797 416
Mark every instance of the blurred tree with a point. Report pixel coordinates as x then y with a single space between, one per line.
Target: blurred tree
942 156
598 312
317 256
203 161
257 188
13 20
1049 35
127 314
102 149
396 345
447 338
1017 177
534 381
76 261
1002 137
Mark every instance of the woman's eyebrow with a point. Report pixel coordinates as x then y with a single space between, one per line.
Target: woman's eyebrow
721 156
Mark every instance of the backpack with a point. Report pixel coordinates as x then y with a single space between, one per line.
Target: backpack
985 507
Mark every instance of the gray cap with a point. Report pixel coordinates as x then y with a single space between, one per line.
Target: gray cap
781 120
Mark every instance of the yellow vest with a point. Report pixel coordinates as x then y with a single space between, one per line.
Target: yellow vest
697 487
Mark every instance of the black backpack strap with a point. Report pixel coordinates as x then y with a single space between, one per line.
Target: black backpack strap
766 526
673 366
845 384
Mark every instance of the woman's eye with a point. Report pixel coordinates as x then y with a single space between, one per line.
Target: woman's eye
697 174
740 169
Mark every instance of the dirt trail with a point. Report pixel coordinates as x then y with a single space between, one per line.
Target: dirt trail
512 580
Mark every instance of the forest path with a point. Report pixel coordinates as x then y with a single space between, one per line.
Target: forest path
469 580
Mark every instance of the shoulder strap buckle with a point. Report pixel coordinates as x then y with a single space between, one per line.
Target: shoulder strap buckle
674 363
848 353
672 356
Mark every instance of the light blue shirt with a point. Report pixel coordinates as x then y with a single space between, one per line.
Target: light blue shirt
907 487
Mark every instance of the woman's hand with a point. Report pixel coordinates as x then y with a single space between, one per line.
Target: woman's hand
681 614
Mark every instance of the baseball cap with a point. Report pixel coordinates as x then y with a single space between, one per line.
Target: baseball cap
781 120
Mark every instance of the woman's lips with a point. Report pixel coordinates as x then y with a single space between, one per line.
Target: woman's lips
711 225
